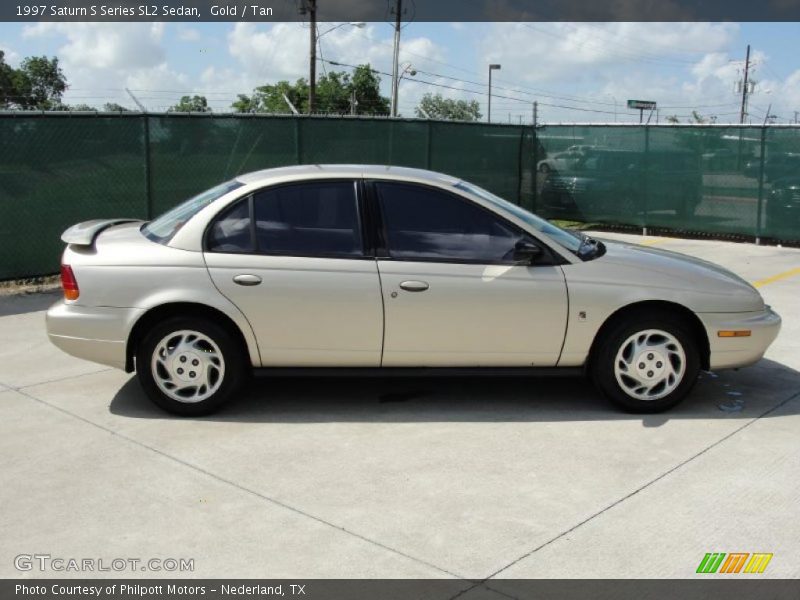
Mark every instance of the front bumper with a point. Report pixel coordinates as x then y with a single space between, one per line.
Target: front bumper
732 352
95 333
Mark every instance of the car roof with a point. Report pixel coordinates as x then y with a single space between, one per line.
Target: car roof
359 171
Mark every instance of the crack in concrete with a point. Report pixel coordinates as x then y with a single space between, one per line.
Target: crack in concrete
242 488
56 380
619 501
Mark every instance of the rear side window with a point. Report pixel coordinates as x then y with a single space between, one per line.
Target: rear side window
308 219
165 226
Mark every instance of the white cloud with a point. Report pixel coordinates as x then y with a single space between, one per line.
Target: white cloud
10 57
269 54
187 34
101 59
542 52
105 45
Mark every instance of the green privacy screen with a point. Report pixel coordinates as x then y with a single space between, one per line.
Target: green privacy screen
60 169
716 179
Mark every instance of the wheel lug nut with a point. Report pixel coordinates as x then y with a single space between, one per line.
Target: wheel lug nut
641 365
659 365
191 373
183 359
650 356
195 362
649 373
180 371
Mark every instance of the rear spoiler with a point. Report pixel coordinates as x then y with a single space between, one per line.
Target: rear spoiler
84 234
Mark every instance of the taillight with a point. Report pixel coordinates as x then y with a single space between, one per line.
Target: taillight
69 283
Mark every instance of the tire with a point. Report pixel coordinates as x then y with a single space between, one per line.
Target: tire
166 355
646 363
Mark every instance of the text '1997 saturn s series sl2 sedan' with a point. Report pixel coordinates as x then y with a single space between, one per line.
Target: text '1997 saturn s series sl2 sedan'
366 269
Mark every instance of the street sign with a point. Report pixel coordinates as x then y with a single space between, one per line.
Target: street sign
642 104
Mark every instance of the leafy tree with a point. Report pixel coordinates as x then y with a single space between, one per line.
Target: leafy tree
269 98
191 104
80 107
7 83
438 107
334 94
366 84
40 83
114 107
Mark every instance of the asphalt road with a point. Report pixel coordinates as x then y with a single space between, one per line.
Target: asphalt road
421 478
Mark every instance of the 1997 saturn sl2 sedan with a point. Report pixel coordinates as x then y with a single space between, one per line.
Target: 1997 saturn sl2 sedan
384 269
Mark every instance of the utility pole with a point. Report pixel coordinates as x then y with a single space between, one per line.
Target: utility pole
310 6
396 56
535 112
743 114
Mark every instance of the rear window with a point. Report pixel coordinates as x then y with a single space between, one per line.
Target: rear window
167 225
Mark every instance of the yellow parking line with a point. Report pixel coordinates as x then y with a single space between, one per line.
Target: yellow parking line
655 241
778 277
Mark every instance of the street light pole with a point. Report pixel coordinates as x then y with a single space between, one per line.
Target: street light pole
489 108
311 8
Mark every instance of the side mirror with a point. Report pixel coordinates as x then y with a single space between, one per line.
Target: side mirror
526 253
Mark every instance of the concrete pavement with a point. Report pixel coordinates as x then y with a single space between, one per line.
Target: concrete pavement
404 478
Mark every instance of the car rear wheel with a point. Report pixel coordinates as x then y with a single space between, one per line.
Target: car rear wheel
647 364
190 366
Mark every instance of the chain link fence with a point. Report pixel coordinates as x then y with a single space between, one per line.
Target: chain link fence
60 169
731 180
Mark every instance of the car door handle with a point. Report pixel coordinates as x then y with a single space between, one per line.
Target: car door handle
414 286
247 279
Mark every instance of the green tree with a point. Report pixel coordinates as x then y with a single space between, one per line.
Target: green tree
82 107
335 92
8 77
114 107
191 104
40 83
438 107
269 98
366 84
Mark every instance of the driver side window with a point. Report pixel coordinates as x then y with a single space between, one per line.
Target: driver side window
428 224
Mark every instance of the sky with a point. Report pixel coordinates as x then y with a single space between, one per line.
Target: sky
577 72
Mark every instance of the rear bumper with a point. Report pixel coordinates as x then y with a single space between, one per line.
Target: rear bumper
98 334
727 353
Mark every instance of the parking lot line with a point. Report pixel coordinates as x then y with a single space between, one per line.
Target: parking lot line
655 241
778 277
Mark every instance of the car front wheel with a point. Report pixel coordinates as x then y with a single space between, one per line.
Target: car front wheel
647 364
189 366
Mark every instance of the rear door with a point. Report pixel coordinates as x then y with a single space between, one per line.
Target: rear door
452 292
293 259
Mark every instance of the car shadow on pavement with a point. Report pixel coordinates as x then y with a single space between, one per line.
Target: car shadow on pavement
18 304
742 394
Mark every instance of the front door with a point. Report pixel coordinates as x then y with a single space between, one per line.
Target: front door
452 293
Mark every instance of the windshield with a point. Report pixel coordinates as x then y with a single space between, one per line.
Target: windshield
570 241
164 227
